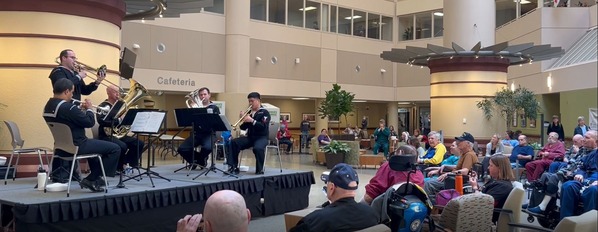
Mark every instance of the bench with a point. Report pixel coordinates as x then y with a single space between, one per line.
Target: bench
375 160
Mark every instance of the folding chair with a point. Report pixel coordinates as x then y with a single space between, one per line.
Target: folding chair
272 143
17 149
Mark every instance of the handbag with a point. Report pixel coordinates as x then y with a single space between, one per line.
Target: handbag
444 196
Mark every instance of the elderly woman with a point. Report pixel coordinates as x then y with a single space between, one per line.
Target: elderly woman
494 147
499 186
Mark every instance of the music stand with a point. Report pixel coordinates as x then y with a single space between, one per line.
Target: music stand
212 122
145 121
184 117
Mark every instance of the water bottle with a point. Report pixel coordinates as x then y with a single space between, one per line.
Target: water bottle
459 183
41 178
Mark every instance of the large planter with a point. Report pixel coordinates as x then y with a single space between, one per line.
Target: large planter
334 159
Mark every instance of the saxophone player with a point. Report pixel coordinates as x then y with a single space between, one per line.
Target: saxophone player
129 146
256 122
202 137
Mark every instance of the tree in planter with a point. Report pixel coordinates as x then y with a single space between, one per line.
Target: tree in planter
508 102
335 152
337 103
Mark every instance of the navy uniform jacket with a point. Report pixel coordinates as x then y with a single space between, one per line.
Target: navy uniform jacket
80 86
58 110
260 127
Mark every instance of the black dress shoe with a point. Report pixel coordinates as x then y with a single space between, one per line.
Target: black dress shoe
259 173
235 171
91 185
100 182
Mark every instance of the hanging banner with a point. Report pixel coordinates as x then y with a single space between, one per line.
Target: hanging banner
593 119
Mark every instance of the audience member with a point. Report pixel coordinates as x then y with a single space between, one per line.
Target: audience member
447 164
581 128
284 137
510 140
557 127
343 213
381 137
364 123
494 146
466 161
522 153
323 138
499 186
552 150
348 130
413 141
417 134
386 177
570 155
225 211
435 153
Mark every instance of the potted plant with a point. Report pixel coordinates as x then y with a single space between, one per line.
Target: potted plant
537 147
335 153
507 103
337 103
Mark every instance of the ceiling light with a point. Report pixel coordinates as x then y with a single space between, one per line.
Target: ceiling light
358 101
404 103
308 8
300 98
523 1
258 59
382 70
297 60
438 14
353 17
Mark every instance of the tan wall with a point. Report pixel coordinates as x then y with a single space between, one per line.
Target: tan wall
286 67
369 69
575 104
414 6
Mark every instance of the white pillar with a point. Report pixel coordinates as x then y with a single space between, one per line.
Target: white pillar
467 22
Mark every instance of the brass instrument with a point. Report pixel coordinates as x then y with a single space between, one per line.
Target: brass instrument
135 93
101 110
95 71
247 112
194 100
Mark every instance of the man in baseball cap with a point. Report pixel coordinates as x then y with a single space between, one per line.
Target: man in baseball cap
343 213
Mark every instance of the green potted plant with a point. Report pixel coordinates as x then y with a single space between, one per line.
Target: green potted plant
337 103
335 153
537 147
507 102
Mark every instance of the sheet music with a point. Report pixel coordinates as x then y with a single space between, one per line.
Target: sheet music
148 122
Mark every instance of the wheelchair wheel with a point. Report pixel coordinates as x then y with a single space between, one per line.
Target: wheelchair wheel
547 223
530 218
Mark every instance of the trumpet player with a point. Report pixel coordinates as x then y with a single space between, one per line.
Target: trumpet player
256 122
60 109
67 69
129 146
202 137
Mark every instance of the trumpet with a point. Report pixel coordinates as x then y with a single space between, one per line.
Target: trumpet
247 112
101 110
95 71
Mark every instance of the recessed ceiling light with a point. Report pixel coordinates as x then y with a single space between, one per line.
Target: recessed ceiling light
300 98
358 101
353 17
523 1
308 8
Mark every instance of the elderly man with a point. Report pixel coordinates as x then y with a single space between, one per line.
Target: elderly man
435 153
522 153
343 213
570 156
466 161
581 128
225 211
553 150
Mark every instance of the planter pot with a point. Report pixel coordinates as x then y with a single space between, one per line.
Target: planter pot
334 159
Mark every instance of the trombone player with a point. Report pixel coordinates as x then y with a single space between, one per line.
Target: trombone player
256 121
202 137
129 146
68 69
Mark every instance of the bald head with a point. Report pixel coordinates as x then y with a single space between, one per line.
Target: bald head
113 93
225 210
577 140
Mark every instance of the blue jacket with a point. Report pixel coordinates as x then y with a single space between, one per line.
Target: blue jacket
579 131
589 166
521 150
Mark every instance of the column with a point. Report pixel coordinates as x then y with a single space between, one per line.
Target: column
392 109
467 22
320 123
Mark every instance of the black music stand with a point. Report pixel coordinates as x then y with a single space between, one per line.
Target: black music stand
146 121
185 118
213 123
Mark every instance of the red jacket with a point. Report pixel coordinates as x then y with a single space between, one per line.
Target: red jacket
386 177
286 131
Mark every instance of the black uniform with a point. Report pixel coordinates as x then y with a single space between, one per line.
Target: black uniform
58 110
257 137
130 147
343 215
80 86
202 137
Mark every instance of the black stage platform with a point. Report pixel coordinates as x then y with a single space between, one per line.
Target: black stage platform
139 207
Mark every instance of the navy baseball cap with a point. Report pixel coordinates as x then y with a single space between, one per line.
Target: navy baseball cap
342 175
465 137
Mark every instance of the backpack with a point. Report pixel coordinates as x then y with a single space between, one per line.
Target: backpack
444 196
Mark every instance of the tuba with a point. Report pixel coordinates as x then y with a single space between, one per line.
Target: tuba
135 93
193 100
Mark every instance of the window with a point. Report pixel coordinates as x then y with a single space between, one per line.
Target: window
505 12
438 24
333 26
276 11
312 15
373 26
295 13
406 27
218 7
359 23
258 10
325 17
423 25
344 21
386 28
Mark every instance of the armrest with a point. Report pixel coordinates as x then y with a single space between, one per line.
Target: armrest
530 227
497 210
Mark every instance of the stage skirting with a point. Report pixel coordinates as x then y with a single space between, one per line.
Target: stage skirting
153 209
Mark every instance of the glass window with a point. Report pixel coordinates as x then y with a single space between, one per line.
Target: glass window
312 15
406 27
277 11
373 26
218 7
359 23
528 5
258 10
386 28
344 21
505 12
438 23
295 13
333 17
423 25
325 25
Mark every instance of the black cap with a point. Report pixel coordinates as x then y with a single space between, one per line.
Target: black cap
255 95
342 175
465 137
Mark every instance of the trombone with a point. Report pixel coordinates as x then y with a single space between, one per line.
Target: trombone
101 110
247 112
95 71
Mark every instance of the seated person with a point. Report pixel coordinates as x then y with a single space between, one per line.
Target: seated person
554 149
447 165
284 137
343 213
499 186
348 130
386 177
323 138
494 146
510 139
570 155
413 141
225 210
522 152
435 153
466 161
